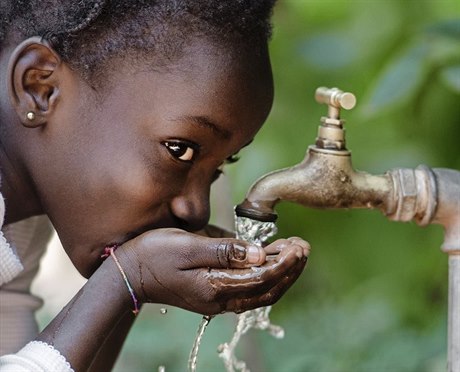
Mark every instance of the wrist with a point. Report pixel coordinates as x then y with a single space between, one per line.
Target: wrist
129 269
115 282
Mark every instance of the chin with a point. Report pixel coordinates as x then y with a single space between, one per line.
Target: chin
86 263
88 270
87 258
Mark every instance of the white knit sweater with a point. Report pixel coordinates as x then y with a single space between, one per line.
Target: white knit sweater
36 355
9 263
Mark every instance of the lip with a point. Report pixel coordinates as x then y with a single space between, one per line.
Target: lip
168 222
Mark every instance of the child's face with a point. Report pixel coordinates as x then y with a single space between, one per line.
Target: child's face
145 156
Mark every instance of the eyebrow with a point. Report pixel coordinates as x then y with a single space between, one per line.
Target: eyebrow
205 122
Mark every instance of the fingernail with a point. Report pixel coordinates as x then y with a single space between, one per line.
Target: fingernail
239 252
253 254
302 243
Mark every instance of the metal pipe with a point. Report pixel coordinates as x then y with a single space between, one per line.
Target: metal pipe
448 215
453 323
326 179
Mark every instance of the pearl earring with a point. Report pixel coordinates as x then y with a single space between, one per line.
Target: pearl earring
30 115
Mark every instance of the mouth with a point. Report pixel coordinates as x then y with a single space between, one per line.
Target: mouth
165 223
127 237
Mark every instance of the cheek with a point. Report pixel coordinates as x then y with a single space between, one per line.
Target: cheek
112 198
135 184
144 184
134 197
130 200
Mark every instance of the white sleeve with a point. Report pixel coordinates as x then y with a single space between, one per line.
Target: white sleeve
36 356
10 266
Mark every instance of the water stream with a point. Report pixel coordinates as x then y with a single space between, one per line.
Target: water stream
196 344
255 232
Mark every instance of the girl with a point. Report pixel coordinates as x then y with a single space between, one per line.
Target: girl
116 117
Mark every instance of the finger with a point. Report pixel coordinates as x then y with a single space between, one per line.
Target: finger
256 279
277 246
303 243
239 254
222 253
192 251
271 296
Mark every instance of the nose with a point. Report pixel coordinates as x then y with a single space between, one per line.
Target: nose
191 207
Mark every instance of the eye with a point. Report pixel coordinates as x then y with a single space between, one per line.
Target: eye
232 159
220 170
184 151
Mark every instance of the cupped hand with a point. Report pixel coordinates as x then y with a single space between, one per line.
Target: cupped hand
210 275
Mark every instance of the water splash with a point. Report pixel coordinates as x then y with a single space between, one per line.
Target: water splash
255 232
192 360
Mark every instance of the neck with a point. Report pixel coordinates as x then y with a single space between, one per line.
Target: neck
21 200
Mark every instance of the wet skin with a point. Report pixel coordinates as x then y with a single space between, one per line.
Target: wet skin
132 163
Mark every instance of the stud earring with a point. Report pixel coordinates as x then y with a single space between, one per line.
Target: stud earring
30 115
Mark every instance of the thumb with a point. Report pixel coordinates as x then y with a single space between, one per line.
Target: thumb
227 253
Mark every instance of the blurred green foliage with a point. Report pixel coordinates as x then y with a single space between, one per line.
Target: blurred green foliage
374 296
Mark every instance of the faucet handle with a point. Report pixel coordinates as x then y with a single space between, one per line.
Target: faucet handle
331 135
335 97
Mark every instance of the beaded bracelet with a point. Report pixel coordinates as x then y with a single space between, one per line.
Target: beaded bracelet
110 251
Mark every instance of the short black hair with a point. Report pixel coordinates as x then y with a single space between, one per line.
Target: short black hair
87 33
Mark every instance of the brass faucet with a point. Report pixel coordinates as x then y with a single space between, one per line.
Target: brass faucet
326 179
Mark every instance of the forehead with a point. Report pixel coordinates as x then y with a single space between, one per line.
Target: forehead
214 84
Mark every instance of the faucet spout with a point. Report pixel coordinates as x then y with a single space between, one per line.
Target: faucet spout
324 179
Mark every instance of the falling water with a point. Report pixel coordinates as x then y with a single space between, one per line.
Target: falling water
255 232
196 344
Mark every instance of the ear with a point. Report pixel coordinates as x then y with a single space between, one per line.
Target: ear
33 81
